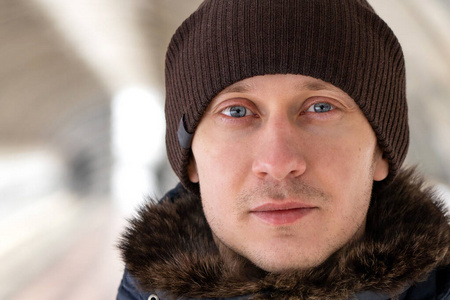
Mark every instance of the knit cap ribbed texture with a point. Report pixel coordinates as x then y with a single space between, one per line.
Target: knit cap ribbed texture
342 42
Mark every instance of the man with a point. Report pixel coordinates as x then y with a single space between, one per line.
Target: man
287 126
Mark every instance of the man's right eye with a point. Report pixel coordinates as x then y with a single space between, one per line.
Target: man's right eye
237 111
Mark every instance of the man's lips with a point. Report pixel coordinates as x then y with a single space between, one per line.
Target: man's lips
282 213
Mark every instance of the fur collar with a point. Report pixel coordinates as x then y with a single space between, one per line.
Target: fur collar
169 247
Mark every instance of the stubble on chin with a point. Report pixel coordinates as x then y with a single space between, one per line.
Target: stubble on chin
231 251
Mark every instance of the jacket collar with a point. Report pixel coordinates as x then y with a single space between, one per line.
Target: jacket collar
169 247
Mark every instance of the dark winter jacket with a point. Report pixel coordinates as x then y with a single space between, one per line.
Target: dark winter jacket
169 253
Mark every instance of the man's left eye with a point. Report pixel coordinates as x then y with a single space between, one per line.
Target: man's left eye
321 107
237 111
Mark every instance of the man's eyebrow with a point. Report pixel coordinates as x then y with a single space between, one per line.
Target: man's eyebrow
239 87
314 86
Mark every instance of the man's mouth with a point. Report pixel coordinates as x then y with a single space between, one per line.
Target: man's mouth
282 213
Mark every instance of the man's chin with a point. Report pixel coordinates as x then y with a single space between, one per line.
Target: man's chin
276 261
274 266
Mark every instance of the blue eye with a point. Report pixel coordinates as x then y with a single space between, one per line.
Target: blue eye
237 111
321 107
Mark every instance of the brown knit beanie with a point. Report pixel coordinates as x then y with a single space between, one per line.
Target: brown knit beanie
342 42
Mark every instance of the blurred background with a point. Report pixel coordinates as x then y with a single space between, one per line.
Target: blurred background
82 129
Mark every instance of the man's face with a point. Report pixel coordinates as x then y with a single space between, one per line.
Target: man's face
285 165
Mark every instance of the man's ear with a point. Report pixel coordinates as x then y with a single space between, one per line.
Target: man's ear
192 170
381 168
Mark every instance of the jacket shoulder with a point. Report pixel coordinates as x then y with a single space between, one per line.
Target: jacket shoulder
436 286
128 289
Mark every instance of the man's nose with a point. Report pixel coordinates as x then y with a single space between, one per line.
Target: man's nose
279 154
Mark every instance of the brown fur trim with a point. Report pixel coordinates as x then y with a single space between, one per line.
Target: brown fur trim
169 247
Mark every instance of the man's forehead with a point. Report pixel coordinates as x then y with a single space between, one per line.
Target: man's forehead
304 83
